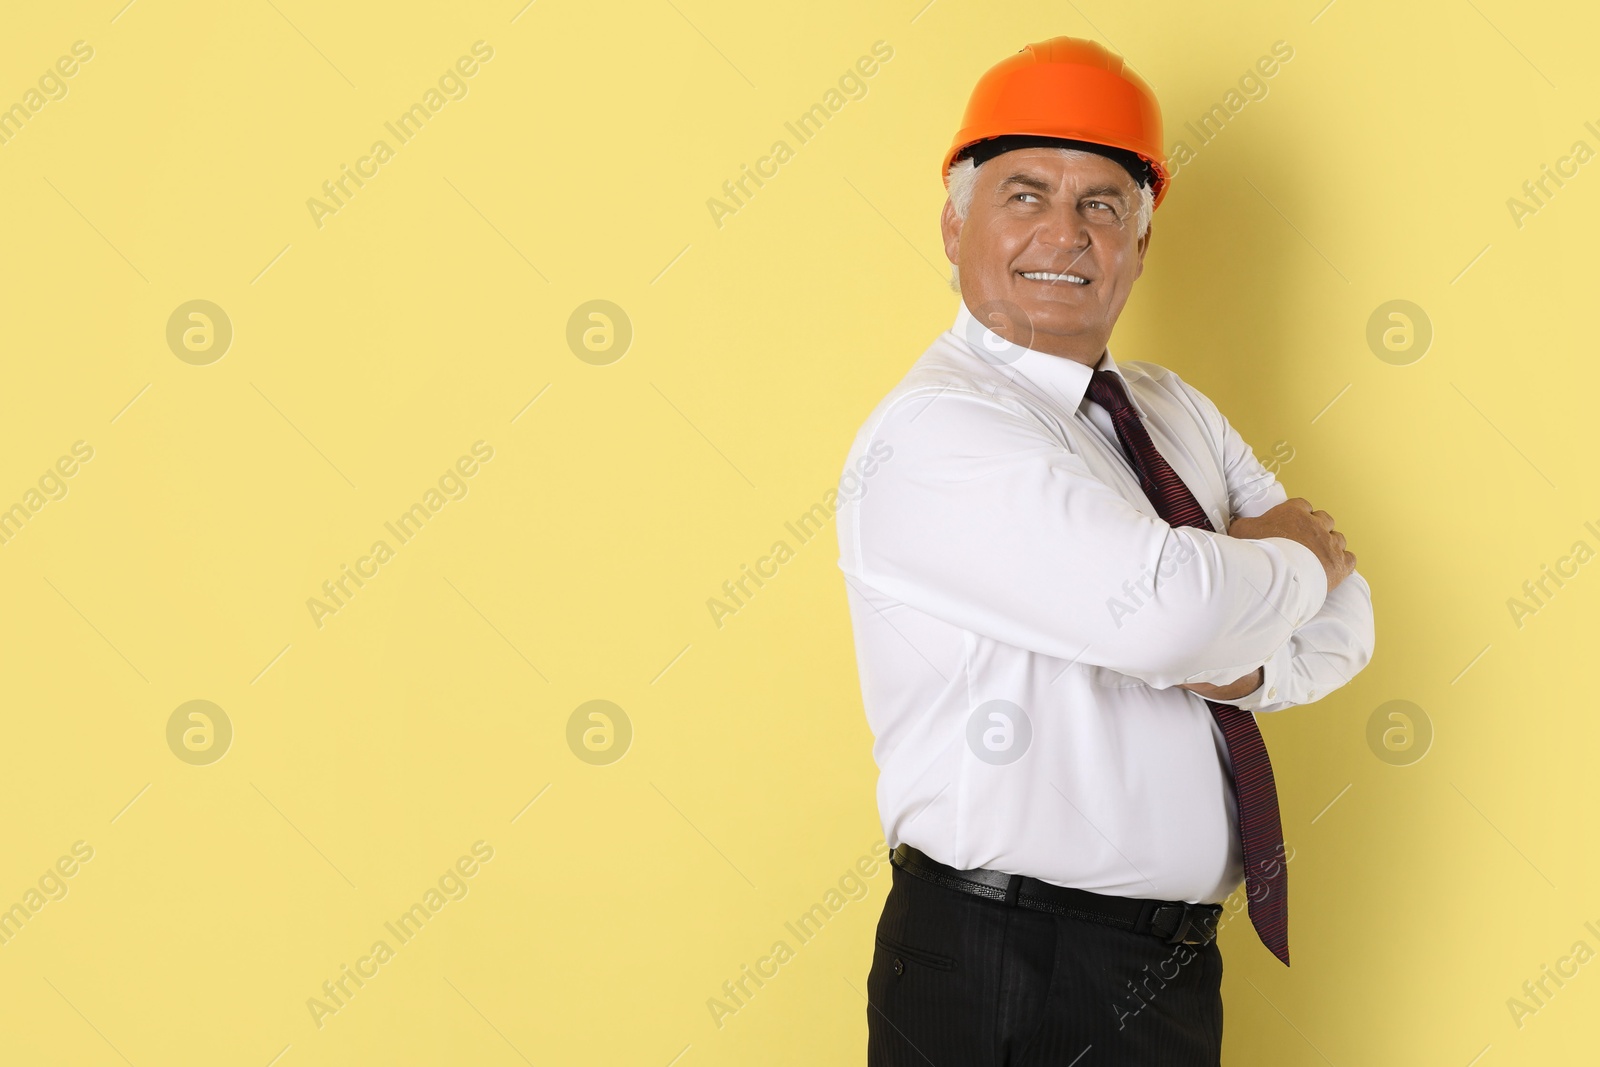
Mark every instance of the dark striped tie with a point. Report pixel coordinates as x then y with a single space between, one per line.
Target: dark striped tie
1260 832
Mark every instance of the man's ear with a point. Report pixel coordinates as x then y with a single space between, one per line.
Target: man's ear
950 228
1144 245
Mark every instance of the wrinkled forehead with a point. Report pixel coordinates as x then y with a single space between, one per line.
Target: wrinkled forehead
1050 170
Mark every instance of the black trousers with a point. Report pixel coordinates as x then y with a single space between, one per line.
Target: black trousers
961 981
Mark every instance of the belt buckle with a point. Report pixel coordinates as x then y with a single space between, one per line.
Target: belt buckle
1193 918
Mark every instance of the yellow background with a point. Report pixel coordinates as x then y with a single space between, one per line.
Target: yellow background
368 354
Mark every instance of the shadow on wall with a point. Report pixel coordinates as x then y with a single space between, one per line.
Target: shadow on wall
1218 295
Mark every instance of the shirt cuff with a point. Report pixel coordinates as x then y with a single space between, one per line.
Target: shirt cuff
1272 690
1309 576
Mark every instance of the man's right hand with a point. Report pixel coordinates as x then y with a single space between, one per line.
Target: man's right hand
1295 520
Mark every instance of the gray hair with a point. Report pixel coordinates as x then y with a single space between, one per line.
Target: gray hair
964 176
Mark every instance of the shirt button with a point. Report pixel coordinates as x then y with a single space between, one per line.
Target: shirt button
899 967
1272 693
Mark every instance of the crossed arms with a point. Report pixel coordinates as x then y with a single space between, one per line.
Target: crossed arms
982 519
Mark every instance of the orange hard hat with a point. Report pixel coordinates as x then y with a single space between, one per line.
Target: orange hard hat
1070 89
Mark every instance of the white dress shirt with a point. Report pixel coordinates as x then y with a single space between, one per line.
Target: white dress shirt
1023 619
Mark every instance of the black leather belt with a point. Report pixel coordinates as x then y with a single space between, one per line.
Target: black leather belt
1176 922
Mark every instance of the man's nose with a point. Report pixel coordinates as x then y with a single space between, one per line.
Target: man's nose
1066 230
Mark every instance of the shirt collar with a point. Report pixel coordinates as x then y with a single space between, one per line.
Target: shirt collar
1065 379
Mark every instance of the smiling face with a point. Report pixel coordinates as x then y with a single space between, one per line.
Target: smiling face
1049 249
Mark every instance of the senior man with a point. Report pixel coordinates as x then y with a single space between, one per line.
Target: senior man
1072 586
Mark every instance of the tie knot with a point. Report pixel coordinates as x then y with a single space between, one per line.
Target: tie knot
1107 390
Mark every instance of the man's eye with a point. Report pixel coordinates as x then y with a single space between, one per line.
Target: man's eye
1019 196
1100 204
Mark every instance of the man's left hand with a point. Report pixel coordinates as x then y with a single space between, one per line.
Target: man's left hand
1233 690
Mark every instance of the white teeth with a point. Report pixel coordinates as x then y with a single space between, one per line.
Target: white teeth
1047 276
